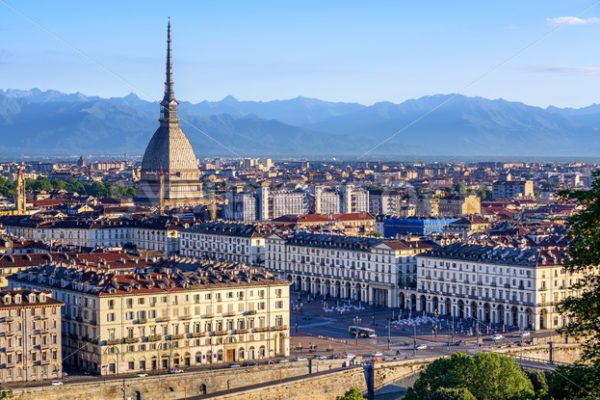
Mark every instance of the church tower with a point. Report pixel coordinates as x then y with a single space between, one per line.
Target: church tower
21 197
169 168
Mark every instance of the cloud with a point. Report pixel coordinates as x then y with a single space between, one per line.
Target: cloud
565 69
568 20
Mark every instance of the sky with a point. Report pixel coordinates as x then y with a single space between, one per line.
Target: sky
540 52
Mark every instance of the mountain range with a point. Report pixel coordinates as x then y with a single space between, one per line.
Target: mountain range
49 122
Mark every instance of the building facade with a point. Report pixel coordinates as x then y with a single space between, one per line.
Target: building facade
493 285
162 318
224 241
30 336
345 267
509 189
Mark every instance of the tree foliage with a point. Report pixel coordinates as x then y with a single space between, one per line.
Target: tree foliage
71 185
581 382
452 394
487 376
352 394
7 188
583 310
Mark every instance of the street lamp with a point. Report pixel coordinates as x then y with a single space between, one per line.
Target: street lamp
356 320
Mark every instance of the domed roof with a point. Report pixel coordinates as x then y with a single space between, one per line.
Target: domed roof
170 149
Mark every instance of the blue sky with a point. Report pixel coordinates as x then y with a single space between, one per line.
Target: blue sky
540 52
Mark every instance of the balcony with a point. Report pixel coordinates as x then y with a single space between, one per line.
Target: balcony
229 314
79 319
261 329
153 338
208 315
241 331
279 328
175 337
163 319
196 334
250 312
112 342
130 340
140 321
219 333
185 317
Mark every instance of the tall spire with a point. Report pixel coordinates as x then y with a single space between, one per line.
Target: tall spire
169 103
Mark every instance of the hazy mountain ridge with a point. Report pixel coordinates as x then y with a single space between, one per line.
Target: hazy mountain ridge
38 122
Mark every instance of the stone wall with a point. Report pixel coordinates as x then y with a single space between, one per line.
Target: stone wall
167 387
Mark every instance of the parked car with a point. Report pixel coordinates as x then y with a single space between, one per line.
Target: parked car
176 371
283 361
320 357
234 366
300 358
250 364
525 334
497 337
142 375
56 382
421 347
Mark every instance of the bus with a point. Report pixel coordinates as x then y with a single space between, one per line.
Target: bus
361 332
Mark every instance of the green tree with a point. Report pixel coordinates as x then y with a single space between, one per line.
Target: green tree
7 188
583 310
487 376
452 394
6 394
576 381
499 378
352 394
539 380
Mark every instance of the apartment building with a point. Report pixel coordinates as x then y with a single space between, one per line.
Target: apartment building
177 315
346 267
459 205
224 241
494 285
509 189
158 233
30 336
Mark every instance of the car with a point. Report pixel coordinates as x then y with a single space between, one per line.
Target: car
320 357
350 356
300 358
459 343
525 334
421 347
142 375
497 337
56 382
234 366
250 364
283 361
176 371
65 374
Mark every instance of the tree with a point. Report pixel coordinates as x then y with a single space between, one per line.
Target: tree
583 310
576 381
499 377
539 381
487 376
352 394
6 394
452 394
7 188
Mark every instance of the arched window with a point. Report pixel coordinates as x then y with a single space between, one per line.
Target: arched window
241 353
198 357
261 352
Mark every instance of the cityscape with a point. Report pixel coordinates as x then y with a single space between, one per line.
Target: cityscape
442 247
